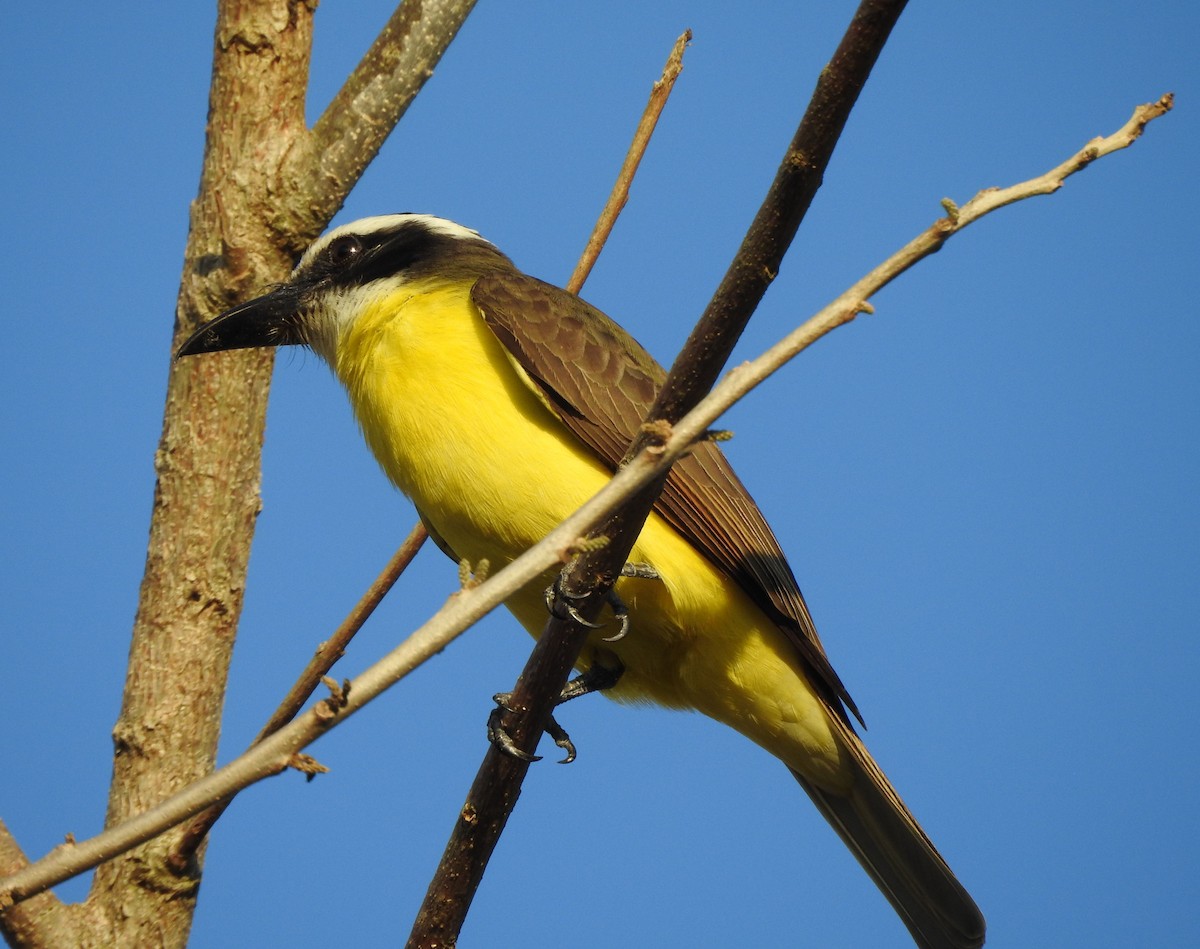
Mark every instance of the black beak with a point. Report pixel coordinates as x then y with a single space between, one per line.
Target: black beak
270 320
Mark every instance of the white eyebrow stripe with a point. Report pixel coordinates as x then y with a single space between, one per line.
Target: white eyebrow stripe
385 222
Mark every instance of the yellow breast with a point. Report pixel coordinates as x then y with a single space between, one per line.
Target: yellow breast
455 425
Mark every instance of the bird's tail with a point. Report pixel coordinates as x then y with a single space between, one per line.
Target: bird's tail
889 843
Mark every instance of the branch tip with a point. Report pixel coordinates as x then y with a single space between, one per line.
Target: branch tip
339 693
585 545
619 195
307 765
468 579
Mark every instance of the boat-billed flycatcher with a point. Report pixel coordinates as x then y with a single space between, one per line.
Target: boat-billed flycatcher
498 404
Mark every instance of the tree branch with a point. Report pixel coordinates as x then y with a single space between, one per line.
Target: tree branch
468 606
497 784
206 497
345 139
324 165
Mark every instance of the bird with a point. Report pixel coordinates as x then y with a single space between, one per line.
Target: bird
498 404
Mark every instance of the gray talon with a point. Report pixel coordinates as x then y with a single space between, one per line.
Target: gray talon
597 678
551 597
562 739
621 614
501 738
578 618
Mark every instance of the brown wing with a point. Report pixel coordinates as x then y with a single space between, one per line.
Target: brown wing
602 383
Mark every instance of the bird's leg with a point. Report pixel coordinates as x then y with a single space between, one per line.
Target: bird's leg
597 678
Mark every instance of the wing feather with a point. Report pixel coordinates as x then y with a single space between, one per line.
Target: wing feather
602 383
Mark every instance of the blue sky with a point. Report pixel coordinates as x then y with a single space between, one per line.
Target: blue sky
988 490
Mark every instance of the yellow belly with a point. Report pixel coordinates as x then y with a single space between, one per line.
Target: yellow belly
460 430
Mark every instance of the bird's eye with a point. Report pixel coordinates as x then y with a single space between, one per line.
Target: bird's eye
344 250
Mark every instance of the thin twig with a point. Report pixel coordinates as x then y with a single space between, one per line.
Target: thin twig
322 661
619 195
741 379
468 606
332 649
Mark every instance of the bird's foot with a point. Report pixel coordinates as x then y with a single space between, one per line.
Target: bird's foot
498 735
555 596
596 679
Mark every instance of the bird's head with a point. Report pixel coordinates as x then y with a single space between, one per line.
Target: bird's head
341 274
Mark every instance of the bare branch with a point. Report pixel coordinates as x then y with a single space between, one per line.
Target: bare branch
741 379
468 606
263 172
207 463
332 649
347 136
497 784
619 195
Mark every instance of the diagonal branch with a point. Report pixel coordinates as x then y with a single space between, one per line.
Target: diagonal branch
468 606
345 139
497 784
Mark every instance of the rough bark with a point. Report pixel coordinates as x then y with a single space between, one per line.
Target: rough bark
268 186
208 462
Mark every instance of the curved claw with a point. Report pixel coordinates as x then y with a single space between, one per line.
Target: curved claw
578 618
562 739
551 597
622 616
499 737
642 571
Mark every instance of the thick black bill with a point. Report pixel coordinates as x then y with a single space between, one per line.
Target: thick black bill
270 320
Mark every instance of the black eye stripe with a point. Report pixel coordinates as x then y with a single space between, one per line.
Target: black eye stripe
411 249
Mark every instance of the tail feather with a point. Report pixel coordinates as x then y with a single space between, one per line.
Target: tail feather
879 830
